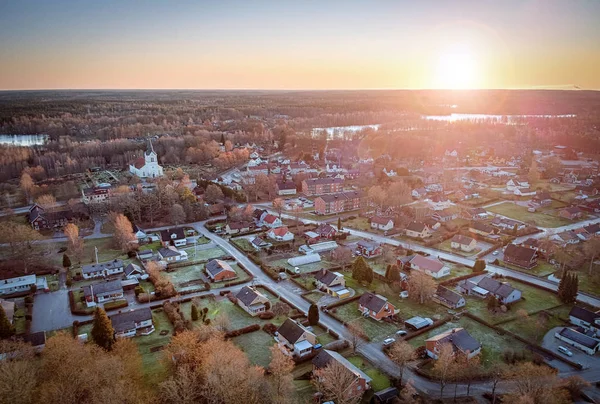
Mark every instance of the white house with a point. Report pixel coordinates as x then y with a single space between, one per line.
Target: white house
102 269
430 266
251 300
102 292
147 166
272 221
294 339
172 254
514 184
579 340
463 243
130 323
382 223
280 234
524 192
17 285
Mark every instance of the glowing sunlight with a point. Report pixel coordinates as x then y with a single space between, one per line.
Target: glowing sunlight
457 68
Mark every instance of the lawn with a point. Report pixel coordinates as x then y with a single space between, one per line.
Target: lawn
493 344
182 275
244 244
534 299
256 346
153 366
304 391
375 330
52 281
79 304
447 246
517 212
306 282
313 297
587 283
359 223
380 380
19 321
543 269
533 327
315 266
204 255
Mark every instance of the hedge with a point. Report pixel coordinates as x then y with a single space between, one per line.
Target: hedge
78 312
117 304
462 278
341 302
240 331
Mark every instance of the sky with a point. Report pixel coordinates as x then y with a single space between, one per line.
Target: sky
306 44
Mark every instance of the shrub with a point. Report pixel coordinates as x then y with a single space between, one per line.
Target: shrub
245 330
194 313
117 304
29 299
207 321
270 328
267 305
138 290
267 315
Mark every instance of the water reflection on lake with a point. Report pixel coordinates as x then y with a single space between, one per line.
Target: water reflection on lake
482 117
23 140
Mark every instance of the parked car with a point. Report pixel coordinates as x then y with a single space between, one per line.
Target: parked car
388 341
404 294
401 333
565 351
495 252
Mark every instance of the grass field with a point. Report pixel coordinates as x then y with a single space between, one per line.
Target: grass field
315 266
534 299
313 297
359 223
256 345
153 366
207 254
375 330
543 269
520 213
587 283
533 327
380 380
244 244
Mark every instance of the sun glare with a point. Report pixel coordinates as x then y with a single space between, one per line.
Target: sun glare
456 68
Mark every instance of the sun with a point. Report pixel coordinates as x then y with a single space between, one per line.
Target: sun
456 68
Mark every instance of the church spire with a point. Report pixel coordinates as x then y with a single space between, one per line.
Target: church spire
150 148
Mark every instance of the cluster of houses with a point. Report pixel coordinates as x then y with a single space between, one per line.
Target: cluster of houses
584 334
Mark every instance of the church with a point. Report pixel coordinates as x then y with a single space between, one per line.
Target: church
147 166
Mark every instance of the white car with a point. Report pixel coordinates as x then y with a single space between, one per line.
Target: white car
495 253
565 351
388 341
404 294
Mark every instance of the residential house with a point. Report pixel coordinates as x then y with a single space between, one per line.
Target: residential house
375 306
586 319
252 301
542 199
280 234
311 237
325 246
39 219
430 266
462 343
567 237
368 249
522 257
138 232
474 214
448 298
237 227
382 223
258 243
481 228
579 340
338 203
432 223
133 322
95 195
524 192
513 184
571 213
145 255
258 215
218 270
294 339
333 283
19 284
487 286
326 231
446 215
271 221
102 292
418 230
592 229
440 202
134 271
172 254
320 186
463 243
102 269
358 382
174 237
385 396
286 188
508 224
419 193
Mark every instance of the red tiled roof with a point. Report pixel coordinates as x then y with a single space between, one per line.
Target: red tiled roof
139 162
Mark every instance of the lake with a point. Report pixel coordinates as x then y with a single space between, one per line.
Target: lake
480 117
23 140
338 131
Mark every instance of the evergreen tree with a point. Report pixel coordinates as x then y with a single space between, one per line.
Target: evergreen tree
339 224
368 274
361 271
66 261
313 314
195 315
563 286
479 266
103 333
223 139
394 273
6 328
492 302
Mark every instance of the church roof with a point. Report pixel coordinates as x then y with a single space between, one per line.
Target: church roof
150 148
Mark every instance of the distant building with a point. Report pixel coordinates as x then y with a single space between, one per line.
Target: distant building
418 230
39 219
219 270
17 285
382 223
131 323
375 306
338 203
102 292
320 186
251 300
147 166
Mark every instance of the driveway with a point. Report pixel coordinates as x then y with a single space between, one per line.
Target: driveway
552 343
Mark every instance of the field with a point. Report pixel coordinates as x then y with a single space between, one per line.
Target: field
587 283
534 299
492 343
380 380
154 369
517 212
256 345
359 223
244 244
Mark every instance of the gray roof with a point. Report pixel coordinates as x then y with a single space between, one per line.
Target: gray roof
461 339
247 295
448 295
460 239
580 338
495 287
114 264
325 276
167 252
215 267
126 321
102 287
372 302
291 331
584 314
416 226
326 356
129 269
165 235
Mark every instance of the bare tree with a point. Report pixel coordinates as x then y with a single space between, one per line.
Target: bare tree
46 201
278 205
421 287
335 382
123 234
343 256
74 242
357 335
443 367
401 353
27 186
281 378
177 214
213 193
538 383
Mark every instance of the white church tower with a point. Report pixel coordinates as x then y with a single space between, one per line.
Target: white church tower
147 166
